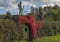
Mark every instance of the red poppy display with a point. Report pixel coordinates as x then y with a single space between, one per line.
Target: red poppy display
34 25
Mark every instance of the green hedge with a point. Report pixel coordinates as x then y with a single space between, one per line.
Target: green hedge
10 31
49 29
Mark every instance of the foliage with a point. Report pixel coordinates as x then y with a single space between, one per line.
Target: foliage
8 15
52 13
39 16
10 31
50 21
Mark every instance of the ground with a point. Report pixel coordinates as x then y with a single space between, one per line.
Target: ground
46 39
49 39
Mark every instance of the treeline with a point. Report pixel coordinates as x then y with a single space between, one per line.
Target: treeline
50 19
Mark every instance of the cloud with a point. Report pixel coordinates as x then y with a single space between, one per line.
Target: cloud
12 4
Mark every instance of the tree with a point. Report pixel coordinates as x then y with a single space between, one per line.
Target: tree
8 15
52 13
40 13
50 25
32 9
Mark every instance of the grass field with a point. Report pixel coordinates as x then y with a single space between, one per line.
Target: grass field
47 39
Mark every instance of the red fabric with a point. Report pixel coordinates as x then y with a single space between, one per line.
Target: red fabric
34 26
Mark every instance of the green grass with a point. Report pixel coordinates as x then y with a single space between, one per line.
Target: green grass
46 39
49 39
20 41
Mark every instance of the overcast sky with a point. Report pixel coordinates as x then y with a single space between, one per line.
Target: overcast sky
11 5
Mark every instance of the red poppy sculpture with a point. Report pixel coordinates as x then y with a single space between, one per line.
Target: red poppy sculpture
34 25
